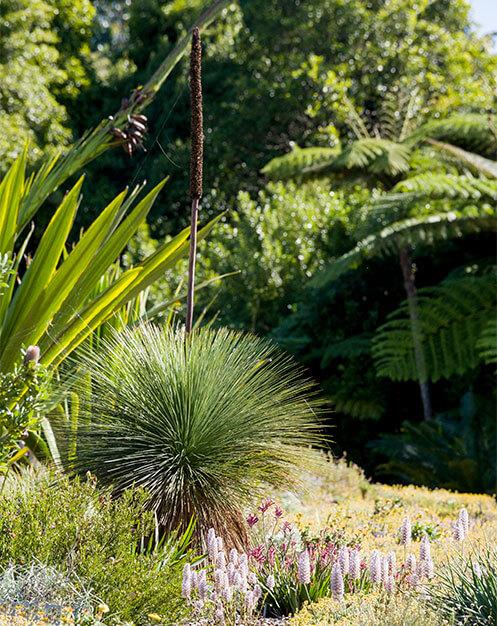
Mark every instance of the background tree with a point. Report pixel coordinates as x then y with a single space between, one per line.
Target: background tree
45 62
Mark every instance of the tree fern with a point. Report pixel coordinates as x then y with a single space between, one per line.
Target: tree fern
471 130
347 348
411 232
452 318
300 162
475 161
381 156
439 185
487 343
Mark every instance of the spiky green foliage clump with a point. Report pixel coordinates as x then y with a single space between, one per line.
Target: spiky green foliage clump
466 589
200 422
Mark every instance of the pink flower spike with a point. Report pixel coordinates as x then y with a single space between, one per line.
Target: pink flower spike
252 520
278 512
265 506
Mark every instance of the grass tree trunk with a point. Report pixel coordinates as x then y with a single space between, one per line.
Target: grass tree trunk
410 286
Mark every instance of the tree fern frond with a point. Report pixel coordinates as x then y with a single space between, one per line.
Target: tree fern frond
439 185
347 348
487 342
379 155
471 130
412 232
451 318
300 162
360 408
482 165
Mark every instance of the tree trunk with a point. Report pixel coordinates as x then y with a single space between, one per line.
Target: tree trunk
410 286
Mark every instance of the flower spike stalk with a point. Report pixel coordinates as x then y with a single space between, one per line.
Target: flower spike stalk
196 161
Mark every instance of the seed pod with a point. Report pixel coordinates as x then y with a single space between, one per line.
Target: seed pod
129 148
136 124
117 132
141 118
134 133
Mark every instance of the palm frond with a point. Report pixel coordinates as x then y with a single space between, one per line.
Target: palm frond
452 317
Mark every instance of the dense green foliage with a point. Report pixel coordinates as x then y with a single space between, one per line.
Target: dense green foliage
78 529
23 397
456 451
45 62
200 422
276 73
390 104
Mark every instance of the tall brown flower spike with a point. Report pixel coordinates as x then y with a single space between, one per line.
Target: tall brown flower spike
197 136
196 161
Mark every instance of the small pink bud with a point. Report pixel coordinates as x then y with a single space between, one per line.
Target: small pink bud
32 354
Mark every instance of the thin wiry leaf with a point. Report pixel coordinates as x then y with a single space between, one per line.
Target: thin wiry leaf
200 422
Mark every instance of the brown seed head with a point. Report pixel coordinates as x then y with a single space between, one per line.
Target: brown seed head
196 117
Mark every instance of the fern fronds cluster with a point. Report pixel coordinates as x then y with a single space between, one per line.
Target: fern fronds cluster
453 318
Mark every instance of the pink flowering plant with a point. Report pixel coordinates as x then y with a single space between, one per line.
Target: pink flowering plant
292 567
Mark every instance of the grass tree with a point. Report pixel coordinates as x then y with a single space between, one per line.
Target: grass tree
426 199
202 421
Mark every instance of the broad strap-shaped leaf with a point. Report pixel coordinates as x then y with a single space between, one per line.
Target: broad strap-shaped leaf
98 264
11 193
39 311
39 273
124 289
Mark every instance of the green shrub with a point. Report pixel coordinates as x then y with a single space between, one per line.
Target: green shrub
23 393
77 528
